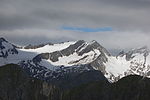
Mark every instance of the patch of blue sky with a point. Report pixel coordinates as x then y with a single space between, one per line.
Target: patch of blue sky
85 29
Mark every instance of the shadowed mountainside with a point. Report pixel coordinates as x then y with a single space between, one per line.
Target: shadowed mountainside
128 88
15 84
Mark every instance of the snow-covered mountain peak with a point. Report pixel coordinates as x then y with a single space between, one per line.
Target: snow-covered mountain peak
135 61
135 52
79 52
7 48
2 39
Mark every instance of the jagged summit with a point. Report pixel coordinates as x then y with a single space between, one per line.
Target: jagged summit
140 50
2 39
131 54
7 48
80 52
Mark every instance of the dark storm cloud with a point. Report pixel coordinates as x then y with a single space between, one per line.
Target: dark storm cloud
27 19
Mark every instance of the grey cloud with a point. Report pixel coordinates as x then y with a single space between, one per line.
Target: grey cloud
110 40
122 14
40 20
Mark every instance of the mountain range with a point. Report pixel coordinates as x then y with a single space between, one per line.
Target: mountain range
53 61
56 68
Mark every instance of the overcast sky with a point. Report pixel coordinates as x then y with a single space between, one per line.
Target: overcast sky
35 21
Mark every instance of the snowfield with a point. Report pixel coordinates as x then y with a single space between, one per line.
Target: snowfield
50 48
